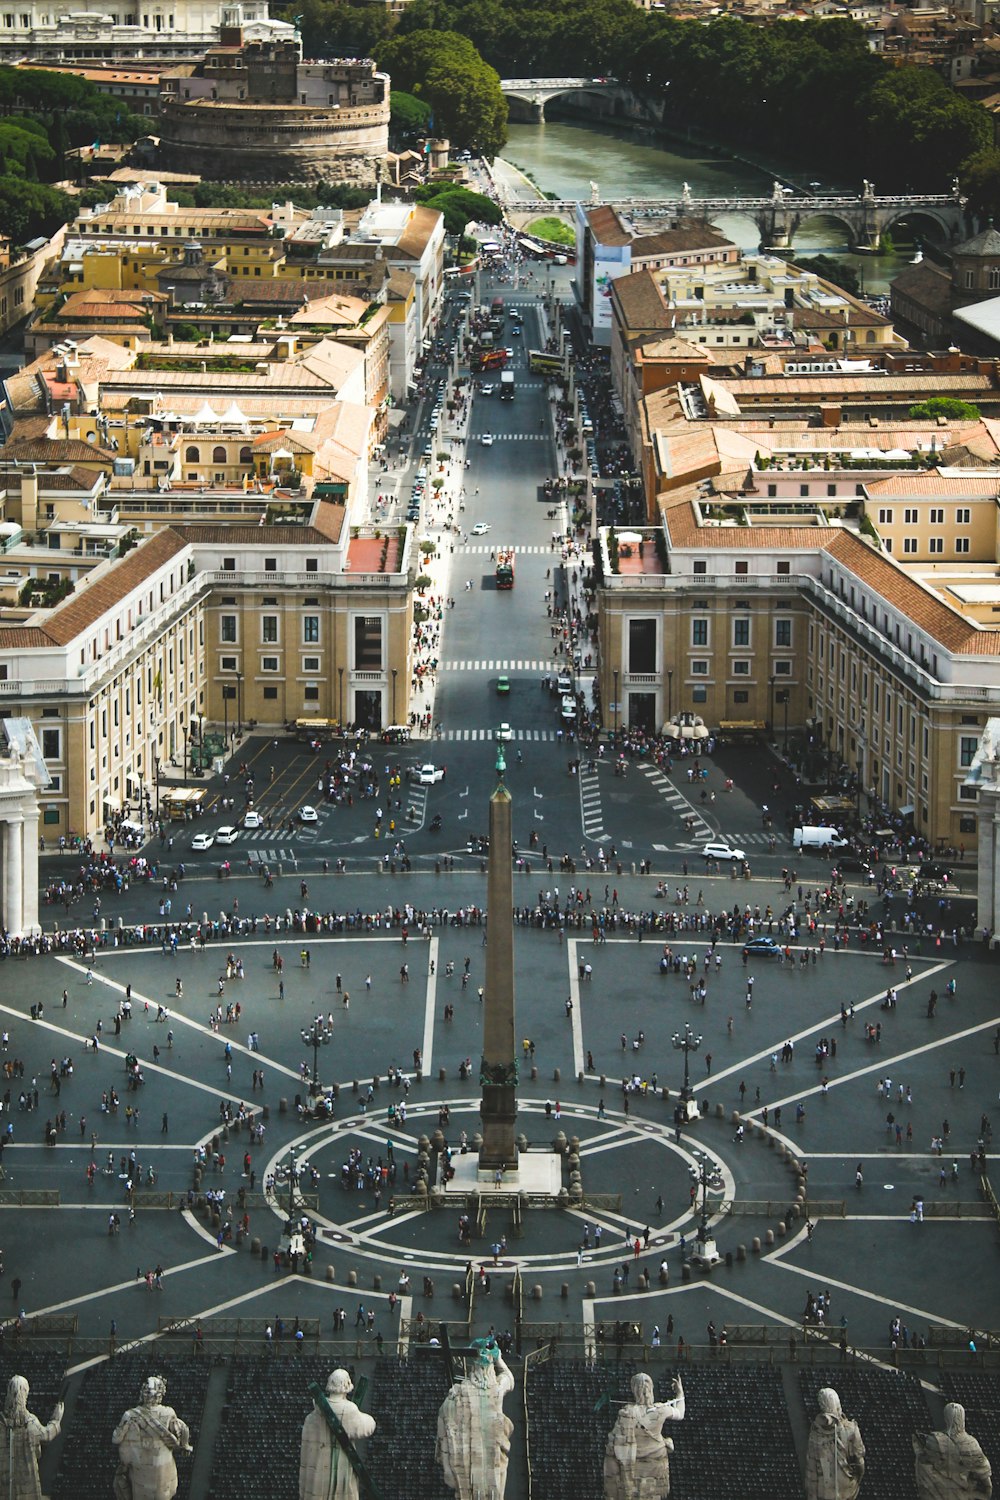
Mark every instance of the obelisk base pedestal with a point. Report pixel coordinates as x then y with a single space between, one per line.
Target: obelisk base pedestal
498 1113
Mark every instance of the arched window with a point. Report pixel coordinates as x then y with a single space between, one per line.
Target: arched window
246 454
218 454
191 455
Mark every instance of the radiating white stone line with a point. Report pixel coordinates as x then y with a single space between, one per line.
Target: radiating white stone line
427 1049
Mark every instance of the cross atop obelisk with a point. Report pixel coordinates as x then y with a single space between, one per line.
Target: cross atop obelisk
498 1072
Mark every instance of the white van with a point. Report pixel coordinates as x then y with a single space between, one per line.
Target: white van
812 837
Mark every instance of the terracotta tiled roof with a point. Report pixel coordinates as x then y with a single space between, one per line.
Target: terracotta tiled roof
607 227
926 285
878 572
641 303
419 227
24 638
328 519
930 486
697 235
890 386
53 451
887 578
104 589
858 316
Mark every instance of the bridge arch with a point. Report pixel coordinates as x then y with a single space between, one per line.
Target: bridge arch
925 218
824 216
532 95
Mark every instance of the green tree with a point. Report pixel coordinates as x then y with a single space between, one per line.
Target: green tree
837 271
29 209
336 28
460 206
980 179
944 406
409 116
445 69
23 151
916 119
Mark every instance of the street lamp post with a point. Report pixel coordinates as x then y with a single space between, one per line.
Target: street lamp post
785 695
687 1044
312 1036
156 773
670 695
783 698
615 676
239 704
394 672
184 732
701 1174
292 1166
770 717
225 715
340 698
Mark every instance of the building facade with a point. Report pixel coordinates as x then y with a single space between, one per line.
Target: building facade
157 30
199 628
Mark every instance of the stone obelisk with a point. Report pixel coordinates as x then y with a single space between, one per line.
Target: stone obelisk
498 1072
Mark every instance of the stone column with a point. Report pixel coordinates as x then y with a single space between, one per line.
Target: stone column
13 874
29 899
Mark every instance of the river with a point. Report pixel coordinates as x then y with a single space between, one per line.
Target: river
563 157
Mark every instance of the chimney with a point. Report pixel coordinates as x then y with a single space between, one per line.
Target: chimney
29 500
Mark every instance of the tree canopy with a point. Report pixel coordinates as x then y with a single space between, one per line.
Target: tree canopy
409 116
28 209
445 70
460 206
43 114
944 406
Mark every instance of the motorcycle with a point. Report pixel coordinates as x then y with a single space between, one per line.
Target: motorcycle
435 824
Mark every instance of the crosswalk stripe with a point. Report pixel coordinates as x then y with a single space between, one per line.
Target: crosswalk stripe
467 664
480 549
539 735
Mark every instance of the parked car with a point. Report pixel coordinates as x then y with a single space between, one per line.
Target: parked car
723 851
503 686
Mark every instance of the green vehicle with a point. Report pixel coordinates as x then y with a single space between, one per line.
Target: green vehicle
503 686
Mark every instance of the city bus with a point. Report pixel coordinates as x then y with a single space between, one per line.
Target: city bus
489 359
505 568
545 364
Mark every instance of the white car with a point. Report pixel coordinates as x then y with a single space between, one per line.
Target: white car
724 851
487 390
480 528
567 708
227 834
253 820
428 775
308 815
504 732
487 440
203 841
